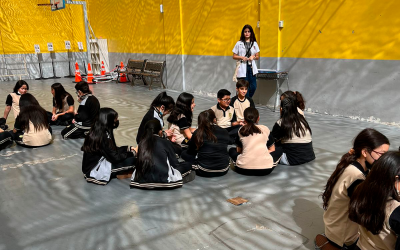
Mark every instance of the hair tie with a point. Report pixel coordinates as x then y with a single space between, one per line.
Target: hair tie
352 151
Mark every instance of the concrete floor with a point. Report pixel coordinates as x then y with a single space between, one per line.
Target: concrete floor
45 203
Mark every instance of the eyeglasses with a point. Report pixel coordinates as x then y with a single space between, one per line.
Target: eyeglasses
378 153
226 99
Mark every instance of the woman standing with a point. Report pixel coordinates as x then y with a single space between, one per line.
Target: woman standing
246 51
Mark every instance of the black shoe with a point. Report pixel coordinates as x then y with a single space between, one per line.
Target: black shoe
189 177
4 127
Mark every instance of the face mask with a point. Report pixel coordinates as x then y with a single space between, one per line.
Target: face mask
116 124
368 165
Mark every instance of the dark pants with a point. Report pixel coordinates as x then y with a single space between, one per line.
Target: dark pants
252 79
63 120
188 157
276 156
233 133
120 167
6 139
73 132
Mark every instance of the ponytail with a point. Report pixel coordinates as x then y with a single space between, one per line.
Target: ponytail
250 116
146 148
368 139
205 121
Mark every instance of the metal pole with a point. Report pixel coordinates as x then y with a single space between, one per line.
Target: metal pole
85 18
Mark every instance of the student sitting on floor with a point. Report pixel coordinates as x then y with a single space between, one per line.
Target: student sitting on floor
340 232
226 116
298 97
63 106
31 127
162 105
102 159
12 101
157 166
293 134
6 139
209 142
88 111
256 153
375 205
180 121
240 102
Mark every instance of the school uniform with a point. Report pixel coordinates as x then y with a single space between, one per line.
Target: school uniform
88 111
6 139
241 106
225 119
166 173
339 229
117 160
66 119
13 101
177 130
212 157
33 138
297 150
153 113
387 239
255 158
247 70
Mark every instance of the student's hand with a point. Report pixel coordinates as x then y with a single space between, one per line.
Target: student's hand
54 118
192 130
235 124
14 130
73 121
173 138
244 59
1 131
241 123
251 58
134 149
168 132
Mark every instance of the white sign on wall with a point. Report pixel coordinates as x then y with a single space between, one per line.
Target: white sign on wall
67 45
50 47
37 48
80 45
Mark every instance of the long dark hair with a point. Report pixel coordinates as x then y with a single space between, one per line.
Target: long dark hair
19 84
32 111
205 130
250 116
368 139
297 96
59 94
183 106
163 100
252 36
369 200
101 131
292 122
146 148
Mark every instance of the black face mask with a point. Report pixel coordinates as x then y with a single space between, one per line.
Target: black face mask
116 124
368 165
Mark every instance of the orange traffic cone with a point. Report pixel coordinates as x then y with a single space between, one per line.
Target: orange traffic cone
123 77
103 69
78 77
90 74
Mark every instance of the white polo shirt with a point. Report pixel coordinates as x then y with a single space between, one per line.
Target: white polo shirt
240 50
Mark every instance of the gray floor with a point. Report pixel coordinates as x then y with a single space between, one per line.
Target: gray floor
46 204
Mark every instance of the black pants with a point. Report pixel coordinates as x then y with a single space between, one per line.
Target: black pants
128 163
63 120
276 156
188 157
74 132
6 139
233 133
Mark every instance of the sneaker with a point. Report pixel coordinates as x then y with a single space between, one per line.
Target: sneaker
189 177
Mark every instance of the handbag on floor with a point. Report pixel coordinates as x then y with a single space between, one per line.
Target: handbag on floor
102 171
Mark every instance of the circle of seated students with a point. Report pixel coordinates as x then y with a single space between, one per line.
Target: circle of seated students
361 198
